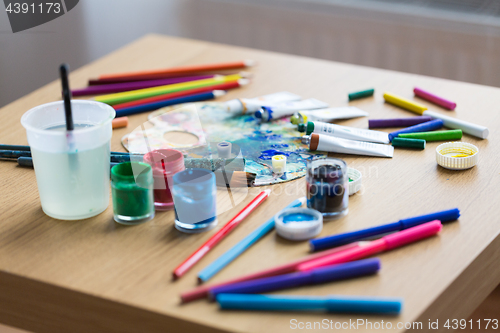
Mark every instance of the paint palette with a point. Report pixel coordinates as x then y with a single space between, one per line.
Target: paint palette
209 122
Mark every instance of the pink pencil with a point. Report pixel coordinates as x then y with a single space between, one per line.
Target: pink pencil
434 99
202 292
219 235
386 243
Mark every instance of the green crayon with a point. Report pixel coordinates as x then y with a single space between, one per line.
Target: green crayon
408 143
361 94
434 136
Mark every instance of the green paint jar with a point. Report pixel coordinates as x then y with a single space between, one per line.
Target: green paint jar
132 191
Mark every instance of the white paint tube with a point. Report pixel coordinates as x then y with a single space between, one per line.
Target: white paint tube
268 113
466 127
332 144
345 132
250 105
328 115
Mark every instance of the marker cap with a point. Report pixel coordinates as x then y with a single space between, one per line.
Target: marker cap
457 155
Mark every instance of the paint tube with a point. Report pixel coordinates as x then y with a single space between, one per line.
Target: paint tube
345 132
327 115
331 144
268 113
250 105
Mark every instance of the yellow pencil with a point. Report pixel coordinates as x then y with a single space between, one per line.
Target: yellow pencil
133 95
405 103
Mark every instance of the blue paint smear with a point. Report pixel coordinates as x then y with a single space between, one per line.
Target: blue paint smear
268 154
299 217
280 145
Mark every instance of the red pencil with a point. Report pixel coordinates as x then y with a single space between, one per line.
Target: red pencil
217 237
175 71
222 86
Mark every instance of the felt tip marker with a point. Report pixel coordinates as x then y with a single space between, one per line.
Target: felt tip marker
320 244
340 304
221 234
385 243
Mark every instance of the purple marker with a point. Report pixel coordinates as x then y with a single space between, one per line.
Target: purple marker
434 99
127 86
314 276
398 122
424 127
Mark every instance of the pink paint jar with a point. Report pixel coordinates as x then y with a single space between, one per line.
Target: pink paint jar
165 163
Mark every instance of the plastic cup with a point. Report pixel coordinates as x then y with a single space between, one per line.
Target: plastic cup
195 200
71 167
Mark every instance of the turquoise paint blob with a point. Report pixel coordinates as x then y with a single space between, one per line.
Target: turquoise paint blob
300 217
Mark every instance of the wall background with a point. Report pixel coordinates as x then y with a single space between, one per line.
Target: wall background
458 45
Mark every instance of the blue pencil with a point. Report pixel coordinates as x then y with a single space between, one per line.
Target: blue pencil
157 105
241 247
342 304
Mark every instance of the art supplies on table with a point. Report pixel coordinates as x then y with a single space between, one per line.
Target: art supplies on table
298 224
222 233
221 262
339 304
202 291
385 243
165 163
409 143
69 143
179 100
251 105
194 193
175 71
361 94
467 127
133 95
424 127
398 122
119 122
404 103
127 86
269 113
345 132
132 192
315 276
327 187
434 136
354 180
328 242
327 115
321 142
457 155
182 93
435 99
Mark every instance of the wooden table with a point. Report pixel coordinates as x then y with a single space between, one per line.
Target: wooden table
95 275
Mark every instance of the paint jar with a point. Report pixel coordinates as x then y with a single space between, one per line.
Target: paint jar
132 190
71 167
165 163
327 184
195 199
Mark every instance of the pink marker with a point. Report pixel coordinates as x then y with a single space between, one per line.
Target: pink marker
386 243
434 99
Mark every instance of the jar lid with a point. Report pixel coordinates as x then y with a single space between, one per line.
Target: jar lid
298 223
354 180
457 155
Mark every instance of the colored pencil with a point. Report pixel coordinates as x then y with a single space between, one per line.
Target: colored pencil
176 71
133 95
218 236
127 86
290 267
157 105
242 246
222 86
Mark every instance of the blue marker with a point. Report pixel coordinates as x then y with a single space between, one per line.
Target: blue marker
340 304
424 127
157 105
324 243
242 246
